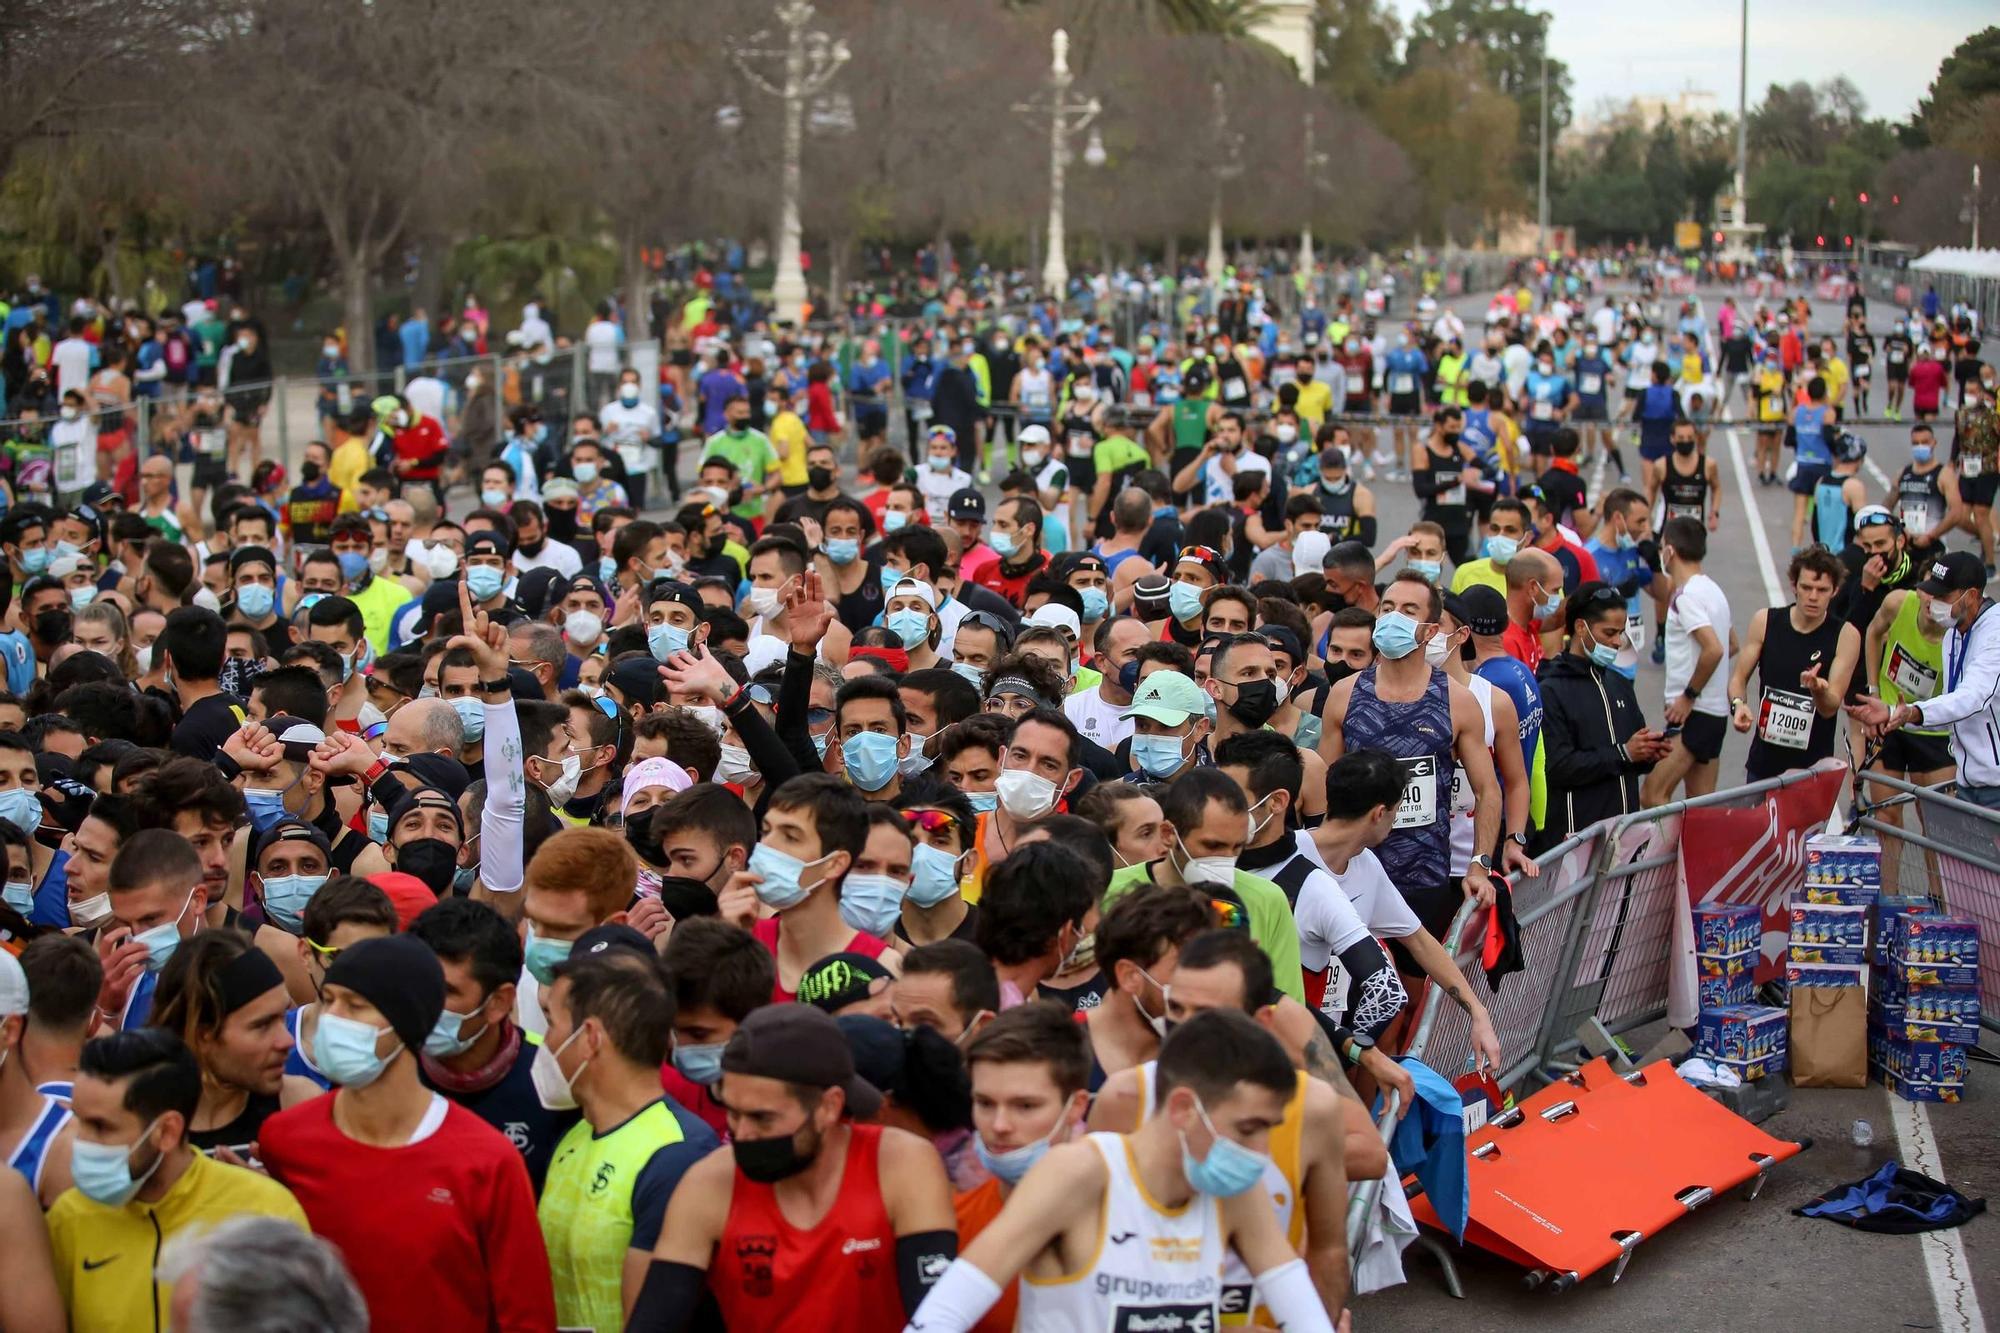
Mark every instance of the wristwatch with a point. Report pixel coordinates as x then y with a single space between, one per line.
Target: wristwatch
1519 840
1355 1048
1484 862
500 686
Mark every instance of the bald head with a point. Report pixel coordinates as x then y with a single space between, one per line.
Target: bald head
1532 566
424 726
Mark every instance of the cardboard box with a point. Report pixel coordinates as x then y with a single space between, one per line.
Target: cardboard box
1744 1032
1777 1062
1921 976
1726 992
1726 964
1840 860
1728 928
1882 916
1916 1090
1838 975
1928 1013
1923 1061
1849 895
1935 940
1815 954
1829 925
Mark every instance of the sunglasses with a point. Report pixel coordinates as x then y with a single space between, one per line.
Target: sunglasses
931 821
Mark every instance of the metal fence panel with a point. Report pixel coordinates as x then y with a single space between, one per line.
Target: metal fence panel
1949 850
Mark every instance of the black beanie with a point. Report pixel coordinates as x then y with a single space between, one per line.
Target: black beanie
401 977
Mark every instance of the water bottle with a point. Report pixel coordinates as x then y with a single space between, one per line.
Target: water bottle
1864 1134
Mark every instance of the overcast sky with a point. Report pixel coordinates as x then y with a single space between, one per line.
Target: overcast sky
1890 51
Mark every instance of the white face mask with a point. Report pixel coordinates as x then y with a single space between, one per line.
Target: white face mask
1437 649
1024 795
761 601
91 911
734 765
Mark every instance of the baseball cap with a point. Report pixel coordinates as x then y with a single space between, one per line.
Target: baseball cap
966 503
486 542
1955 571
1033 435
1050 615
916 588
1485 609
1169 698
14 986
941 429
559 488
840 979
1309 553
798 1043
602 939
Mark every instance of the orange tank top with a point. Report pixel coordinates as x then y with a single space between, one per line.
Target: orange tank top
836 1277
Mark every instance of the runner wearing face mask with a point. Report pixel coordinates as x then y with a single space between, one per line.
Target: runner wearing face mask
1408 706
808 1220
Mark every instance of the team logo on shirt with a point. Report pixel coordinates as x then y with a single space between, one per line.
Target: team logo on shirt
1172 1250
754 1255
601 1181
1163 1319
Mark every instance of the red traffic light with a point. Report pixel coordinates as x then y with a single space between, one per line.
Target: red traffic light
1863 196
1847 240
1819 240
1895 198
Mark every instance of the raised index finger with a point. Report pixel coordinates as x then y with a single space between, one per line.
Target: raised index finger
464 605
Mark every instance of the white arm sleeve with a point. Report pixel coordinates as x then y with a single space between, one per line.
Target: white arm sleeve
500 820
961 1297
1287 1291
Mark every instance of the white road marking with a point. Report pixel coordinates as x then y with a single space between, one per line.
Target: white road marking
1945 1262
1766 565
1881 477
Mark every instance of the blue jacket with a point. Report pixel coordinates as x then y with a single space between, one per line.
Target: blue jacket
1430 1142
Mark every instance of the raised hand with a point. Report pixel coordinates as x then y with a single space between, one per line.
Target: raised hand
806 611
485 637
696 672
254 748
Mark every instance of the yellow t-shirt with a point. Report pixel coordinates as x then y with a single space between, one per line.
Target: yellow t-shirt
350 460
789 438
1474 573
1315 401
1834 372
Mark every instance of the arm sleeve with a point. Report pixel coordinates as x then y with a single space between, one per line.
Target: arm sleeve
922 1260
1370 529
1424 481
773 758
668 1298
958 1301
1378 991
1287 1291
794 698
1977 684
502 817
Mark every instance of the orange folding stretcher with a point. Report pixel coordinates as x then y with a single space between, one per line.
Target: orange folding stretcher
1579 1174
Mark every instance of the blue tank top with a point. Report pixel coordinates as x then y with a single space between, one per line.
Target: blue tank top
297 1063
1809 424
1417 852
1512 675
1830 514
32 1153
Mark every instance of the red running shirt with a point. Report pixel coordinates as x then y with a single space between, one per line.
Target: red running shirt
836 1277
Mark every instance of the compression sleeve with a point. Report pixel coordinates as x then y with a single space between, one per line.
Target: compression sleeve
1378 992
922 1258
958 1301
502 817
668 1298
1370 529
1287 1291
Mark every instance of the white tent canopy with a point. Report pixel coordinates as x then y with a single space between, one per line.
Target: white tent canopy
1960 260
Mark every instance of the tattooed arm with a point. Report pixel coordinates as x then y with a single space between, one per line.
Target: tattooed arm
1439 966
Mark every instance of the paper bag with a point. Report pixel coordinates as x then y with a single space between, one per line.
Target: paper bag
1829 1040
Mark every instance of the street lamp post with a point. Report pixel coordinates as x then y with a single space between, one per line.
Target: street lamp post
1228 166
1542 182
809 61
1067 117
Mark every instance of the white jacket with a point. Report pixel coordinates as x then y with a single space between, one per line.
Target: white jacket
1968 705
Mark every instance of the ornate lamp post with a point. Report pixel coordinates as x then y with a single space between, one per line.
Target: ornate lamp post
1067 116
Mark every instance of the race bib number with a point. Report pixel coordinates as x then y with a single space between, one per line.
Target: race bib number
1461 790
1917 681
1895 356
1453 496
1334 1003
1402 382
1081 444
1971 465
1915 517
1787 720
1861 371
1592 383
1681 511
211 443
920 409
1233 388
1419 807
1140 398
1545 411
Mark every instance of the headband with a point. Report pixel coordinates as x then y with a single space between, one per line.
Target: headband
246 977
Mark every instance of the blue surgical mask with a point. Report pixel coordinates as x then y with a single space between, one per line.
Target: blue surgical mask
448 1037
353 564
163 939
471 716
285 899
1627 542
254 600
1159 756
378 827
779 887
21 808
344 1050
894 520
1004 544
1552 606
912 627
968 672
541 956
103 1171
1228 1170
1920 453
35 560
1010 1166
607 569
1095 603
1395 635
1185 600
870 758
1501 549
484 581
266 807
701 1065
842 550
1603 653
819 742
663 641
933 875
871 903
983 802
19 895
492 497
1432 570
463 878
64 548
82 597
585 473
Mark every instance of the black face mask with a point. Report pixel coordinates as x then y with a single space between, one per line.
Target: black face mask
432 860
768 1161
819 478
1255 701
561 523
53 626
1339 671
309 471
1451 436
639 832
1684 447
534 547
